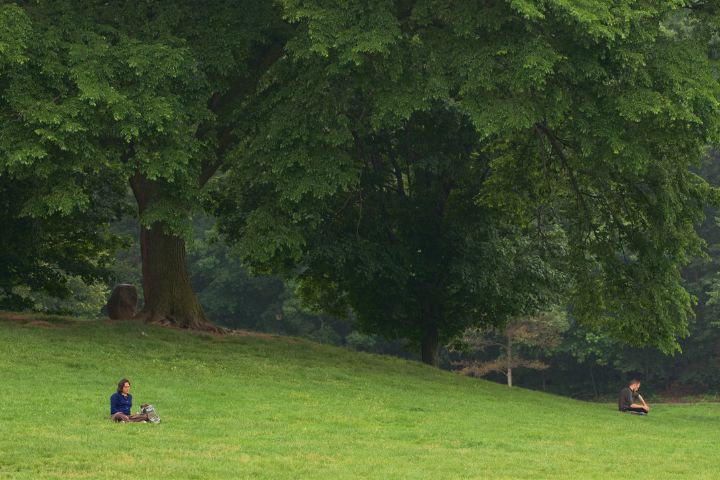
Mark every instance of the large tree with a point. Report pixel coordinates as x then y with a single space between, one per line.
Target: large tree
150 93
586 117
408 248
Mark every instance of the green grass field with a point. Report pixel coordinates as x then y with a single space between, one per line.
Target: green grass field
267 407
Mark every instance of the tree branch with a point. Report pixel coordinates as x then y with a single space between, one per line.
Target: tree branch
557 148
398 173
220 102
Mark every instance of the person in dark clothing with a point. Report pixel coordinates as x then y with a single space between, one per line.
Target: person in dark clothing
631 401
121 404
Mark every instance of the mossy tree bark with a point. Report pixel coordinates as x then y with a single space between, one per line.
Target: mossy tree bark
168 294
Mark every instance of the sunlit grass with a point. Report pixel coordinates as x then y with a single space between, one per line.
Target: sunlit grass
263 407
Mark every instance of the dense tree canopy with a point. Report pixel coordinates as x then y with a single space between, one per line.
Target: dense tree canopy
586 119
146 93
430 164
410 250
39 253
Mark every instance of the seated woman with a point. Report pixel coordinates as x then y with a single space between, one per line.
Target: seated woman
121 404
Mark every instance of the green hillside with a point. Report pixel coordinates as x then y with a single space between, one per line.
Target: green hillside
268 407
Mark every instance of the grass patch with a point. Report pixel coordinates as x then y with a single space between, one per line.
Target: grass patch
264 407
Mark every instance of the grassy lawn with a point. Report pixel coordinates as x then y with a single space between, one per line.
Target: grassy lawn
266 407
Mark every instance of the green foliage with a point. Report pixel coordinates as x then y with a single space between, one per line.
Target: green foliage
14 33
144 93
125 91
356 30
40 255
539 130
83 300
407 247
581 123
360 341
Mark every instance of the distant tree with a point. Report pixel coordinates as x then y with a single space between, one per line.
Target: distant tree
542 333
228 293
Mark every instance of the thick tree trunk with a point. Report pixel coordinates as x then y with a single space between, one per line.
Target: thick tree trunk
431 347
166 284
169 297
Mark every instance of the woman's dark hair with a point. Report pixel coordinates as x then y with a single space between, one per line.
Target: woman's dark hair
121 384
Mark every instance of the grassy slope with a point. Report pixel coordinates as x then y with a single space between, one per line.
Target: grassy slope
246 407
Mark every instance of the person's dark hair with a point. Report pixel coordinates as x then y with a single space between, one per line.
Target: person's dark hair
121 383
633 381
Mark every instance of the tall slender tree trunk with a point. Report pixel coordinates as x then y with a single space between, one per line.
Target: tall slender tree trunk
430 347
509 362
169 297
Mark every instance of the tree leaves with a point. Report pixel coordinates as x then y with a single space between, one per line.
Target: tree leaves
587 118
14 35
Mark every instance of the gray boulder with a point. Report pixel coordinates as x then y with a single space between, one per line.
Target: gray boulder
122 304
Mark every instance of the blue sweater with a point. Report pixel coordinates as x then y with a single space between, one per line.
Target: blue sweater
119 403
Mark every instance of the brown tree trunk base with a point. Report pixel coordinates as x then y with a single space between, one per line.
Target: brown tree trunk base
168 293
169 297
164 320
430 347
